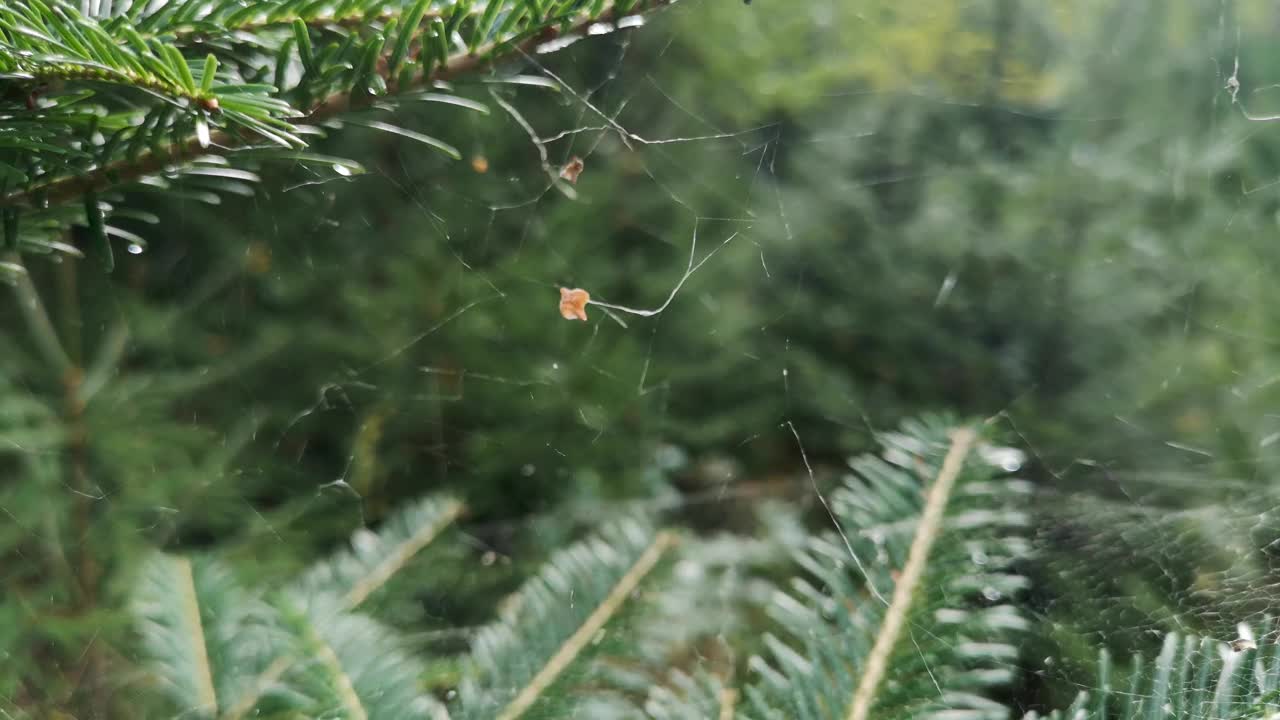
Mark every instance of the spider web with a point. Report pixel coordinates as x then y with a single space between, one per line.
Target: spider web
1065 222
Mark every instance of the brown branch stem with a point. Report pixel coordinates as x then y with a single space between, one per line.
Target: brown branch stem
37 317
84 574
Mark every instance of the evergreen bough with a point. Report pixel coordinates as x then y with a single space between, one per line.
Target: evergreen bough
910 610
104 100
188 96
102 103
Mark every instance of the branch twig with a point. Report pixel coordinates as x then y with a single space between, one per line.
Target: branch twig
37 317
917 559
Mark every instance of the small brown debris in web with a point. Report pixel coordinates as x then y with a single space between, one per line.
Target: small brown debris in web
572 169
1242 644
573 303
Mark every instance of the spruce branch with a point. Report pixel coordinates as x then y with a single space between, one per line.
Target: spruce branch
280 126
572 647
339 681
351 576
243 25
229 654
554 618
264 682
904 590
318 603
37 317
66 70
843 638
54 43
1192 677
728 701
696 695
379 575
202 677
197 630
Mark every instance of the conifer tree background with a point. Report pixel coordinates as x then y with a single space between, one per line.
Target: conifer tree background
968 413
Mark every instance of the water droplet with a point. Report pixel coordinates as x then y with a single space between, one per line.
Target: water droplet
365 541
557 44
1006 458
134 249
689 571
342 170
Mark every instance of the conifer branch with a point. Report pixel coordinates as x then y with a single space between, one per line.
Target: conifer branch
262 683
37 317
350 580
843 640
1192 677
904 590
402 553
351 576
67 71
225 142
349 20
583 635
191 611
188 611
347 694
728 701
347 665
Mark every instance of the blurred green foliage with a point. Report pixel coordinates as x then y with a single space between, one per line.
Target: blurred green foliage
1056 214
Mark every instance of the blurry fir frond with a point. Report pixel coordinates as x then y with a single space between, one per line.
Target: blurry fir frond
698 696
687 635
203 635
1193 678
352 575
27 423
343 665
916 586
223 651
556 616
1195 571
95 101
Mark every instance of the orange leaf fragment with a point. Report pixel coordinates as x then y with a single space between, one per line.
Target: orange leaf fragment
572 169
573 303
